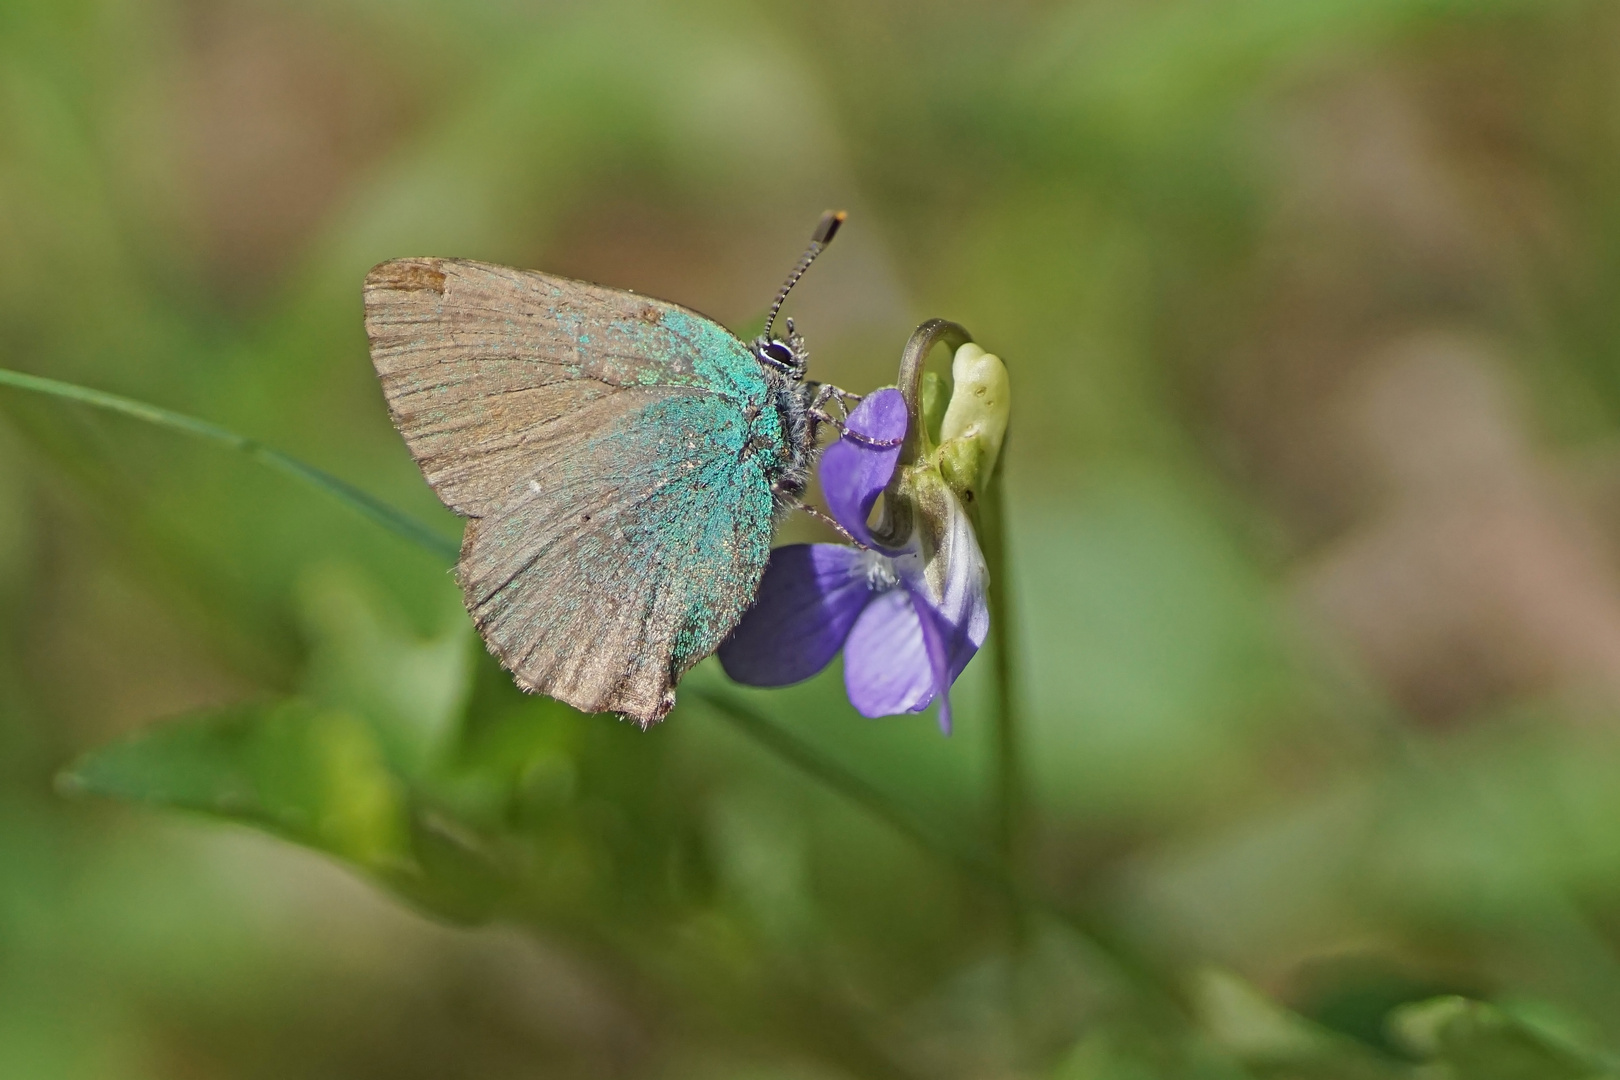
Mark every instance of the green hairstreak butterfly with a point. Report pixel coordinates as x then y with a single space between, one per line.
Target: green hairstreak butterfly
621 460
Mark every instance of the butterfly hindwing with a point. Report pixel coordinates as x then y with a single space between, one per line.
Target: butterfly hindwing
631 561
616 454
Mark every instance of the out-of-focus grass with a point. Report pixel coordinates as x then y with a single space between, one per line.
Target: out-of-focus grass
1314 502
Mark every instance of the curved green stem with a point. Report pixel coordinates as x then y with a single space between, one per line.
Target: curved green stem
895 528
909 382
395 521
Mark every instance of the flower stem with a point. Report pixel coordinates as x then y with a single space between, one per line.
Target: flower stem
395 521
1011 818
909 383
1008 812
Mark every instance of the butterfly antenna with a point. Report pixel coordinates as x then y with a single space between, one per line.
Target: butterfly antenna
819 240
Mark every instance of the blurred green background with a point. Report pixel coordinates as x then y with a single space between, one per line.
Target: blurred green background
1312 309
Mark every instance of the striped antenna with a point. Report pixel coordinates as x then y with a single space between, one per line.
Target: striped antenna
825 231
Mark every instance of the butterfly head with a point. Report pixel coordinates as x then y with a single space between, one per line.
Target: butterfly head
789 357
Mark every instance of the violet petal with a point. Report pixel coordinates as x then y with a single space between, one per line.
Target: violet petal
936 643
809 597
886 668
954 583
856 468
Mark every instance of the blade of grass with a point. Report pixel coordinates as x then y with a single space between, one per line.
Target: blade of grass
390 518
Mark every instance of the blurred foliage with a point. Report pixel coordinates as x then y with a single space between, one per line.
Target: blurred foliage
1314 513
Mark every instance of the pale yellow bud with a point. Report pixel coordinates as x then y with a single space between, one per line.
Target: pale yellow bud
979 406
974 425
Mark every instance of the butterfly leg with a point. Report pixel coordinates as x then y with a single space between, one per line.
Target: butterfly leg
826 394
795 503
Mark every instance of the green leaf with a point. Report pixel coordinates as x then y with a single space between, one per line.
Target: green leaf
365 660
1482 1041
1266 1036
313 775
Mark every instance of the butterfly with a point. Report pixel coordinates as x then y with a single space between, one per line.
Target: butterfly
621 461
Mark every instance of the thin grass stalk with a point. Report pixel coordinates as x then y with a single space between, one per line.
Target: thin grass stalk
395 521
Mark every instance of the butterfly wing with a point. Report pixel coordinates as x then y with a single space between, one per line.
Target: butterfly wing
615 453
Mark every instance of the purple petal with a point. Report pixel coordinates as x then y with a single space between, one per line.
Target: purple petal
856 468
810 596
948 595
937 644
963 616
954 581
886 668
880 417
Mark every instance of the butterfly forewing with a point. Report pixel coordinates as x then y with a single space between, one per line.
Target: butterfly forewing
616 454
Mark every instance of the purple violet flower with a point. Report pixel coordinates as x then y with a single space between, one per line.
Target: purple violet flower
908 619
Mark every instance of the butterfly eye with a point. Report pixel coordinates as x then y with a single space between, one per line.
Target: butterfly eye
776 352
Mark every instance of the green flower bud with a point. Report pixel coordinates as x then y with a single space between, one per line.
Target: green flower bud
933 396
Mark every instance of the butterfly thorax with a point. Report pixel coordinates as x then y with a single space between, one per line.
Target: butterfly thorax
784 365
792 398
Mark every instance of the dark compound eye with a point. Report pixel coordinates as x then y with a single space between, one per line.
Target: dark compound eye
777 352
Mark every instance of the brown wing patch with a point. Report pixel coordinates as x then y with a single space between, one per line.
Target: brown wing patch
407 275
